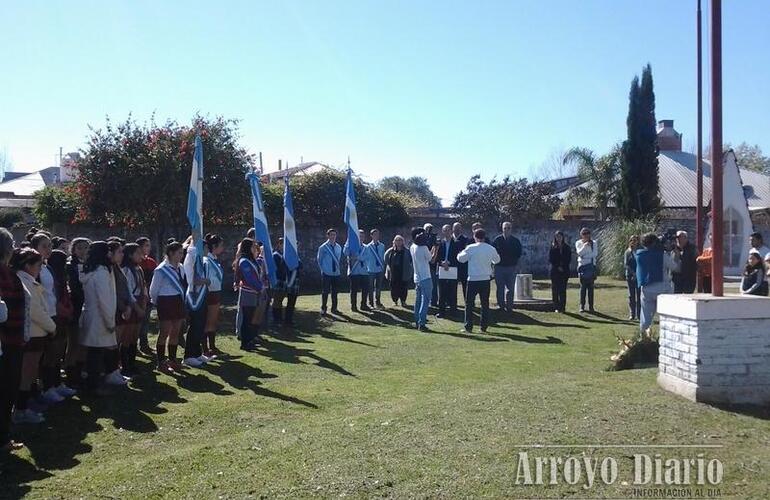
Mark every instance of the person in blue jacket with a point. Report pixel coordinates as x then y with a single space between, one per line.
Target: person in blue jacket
329 257
376 264
358 272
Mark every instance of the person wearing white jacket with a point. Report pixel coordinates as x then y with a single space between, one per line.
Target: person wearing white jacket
39 327
587 252
480 256
97 321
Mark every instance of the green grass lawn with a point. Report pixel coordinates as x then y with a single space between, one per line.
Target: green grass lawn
366 406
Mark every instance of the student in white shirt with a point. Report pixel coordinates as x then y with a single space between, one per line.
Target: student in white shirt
132 258
423 281
195 300
480 256
215 274
587 252
167 293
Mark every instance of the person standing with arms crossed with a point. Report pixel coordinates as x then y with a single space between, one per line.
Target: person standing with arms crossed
587 252
509 249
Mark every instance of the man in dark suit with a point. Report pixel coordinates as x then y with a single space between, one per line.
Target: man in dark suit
446 257
462 241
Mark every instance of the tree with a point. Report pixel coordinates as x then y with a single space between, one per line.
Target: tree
56 204
516 200
600 179
554 166
750 157
319 198
639 190
138 174
415 190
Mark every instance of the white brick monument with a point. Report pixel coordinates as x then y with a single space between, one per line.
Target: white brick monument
715 349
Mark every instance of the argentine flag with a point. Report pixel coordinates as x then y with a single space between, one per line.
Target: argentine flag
351 217
289 230
260 226
195 295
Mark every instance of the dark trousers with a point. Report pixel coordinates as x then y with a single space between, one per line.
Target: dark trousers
480 288
634 298
291 302
587 292
464 285
447 296
10 378
399 289
358 283
559 282
329 285
685 285
145 328
97 362
249 331
705 285
434 291
196 333
375 289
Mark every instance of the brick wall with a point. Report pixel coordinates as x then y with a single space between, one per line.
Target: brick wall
716 360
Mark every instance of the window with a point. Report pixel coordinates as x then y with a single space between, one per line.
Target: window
732 225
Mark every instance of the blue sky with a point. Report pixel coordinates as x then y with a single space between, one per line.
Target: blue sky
443 89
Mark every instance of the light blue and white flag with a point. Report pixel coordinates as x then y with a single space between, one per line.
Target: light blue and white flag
290 255
260 225
351 217
196 294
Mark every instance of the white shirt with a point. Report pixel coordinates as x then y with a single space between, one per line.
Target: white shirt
161 285
586 254
421 261
46 279
480 258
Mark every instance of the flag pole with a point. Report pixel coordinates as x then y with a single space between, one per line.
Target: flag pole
717 269
699 133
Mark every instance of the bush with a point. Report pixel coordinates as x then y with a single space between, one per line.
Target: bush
613 242
56 204
10 216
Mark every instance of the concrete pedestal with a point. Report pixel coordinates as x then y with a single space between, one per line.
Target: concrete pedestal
523 297
715 349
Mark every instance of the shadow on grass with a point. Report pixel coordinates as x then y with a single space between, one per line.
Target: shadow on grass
755 411
56 444
596 317
16 473
550 339
238 375
519 318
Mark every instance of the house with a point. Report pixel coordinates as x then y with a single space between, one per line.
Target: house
305 168
18 188
746 194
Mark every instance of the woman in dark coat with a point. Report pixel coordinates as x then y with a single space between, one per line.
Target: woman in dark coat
398 270
560 258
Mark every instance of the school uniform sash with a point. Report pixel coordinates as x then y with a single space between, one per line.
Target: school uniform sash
196 295
376 256
209 263
331 250
173 278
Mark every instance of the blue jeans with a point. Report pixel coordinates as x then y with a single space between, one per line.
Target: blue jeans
634 298
649 297
505 281
423 291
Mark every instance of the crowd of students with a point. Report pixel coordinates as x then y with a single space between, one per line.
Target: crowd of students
74 315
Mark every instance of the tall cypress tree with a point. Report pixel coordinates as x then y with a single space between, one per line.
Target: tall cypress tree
639 194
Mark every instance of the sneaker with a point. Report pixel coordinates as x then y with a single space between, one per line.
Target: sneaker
65 392
211 355
164 367
581 310
52 396
423 328
146 350
204 359
465 330
174 365
193 362
115 378
484 330
27 417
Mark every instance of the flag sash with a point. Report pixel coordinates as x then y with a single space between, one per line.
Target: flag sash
173 277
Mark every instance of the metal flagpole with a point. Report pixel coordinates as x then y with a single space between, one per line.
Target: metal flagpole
717 269
699 161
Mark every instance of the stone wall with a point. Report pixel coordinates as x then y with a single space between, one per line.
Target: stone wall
715 349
